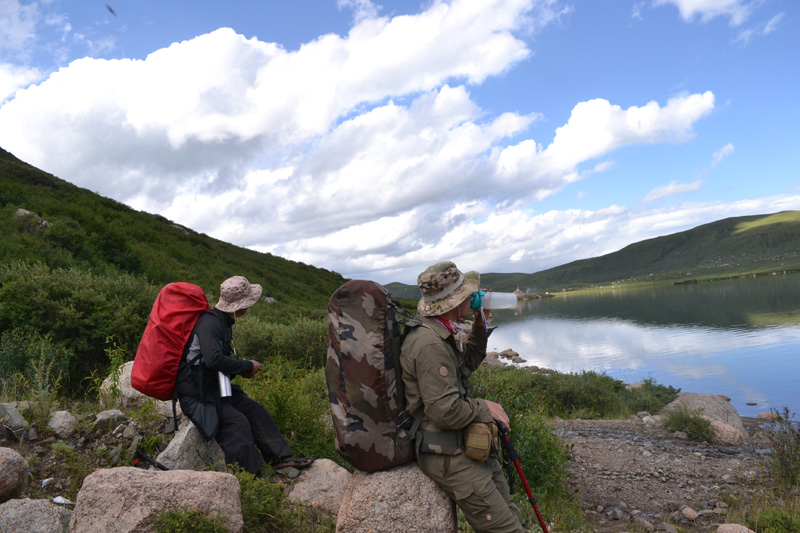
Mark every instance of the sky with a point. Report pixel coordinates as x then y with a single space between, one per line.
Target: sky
377 138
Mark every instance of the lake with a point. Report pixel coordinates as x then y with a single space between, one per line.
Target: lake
738 338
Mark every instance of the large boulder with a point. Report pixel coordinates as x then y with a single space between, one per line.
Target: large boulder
322 485
130 398
400 499
34 516
13 469
127 499
189 451
713 407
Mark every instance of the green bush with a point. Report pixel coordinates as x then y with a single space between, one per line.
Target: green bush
650 396
186 520
784 457
265 509
775 519
303 340
31 362
690 422
573 395
77 309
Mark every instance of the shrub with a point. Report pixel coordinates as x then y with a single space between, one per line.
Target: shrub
186 520
304 340
265 509
584 394
31 362
690 422
784 457
78 309
650 396
775 519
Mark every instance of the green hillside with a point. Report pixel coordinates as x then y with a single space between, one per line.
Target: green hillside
79 274
101 235
725 248
722 249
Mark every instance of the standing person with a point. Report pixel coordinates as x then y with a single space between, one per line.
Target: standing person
436 367
239 424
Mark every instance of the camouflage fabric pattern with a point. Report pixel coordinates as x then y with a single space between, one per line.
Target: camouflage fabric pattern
370 423
428 432
444 287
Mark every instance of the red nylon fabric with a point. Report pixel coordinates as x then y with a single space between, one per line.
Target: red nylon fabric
174 313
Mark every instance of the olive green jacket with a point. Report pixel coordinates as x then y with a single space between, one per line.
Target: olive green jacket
431 379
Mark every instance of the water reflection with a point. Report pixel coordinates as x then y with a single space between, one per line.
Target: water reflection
738 338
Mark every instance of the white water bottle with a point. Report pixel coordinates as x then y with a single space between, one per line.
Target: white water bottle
224 385
499 300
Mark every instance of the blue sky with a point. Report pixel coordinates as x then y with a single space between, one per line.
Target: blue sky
374 139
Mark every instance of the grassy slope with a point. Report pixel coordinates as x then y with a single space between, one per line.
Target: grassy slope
725 248
93 232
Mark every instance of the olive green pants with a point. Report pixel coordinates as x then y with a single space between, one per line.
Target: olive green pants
479 489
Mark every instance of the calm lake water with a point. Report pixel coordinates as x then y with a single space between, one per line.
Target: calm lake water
738 338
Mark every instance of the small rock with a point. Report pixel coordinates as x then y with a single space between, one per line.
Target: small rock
62 423
733 528
106 419
643 525
726 398
689 513
769 416
668 528
615 514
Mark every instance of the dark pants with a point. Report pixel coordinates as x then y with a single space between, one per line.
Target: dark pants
245 428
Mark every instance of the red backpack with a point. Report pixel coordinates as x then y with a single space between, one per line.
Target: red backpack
175 311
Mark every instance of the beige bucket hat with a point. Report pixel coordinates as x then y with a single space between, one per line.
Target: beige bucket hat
444 287
237 293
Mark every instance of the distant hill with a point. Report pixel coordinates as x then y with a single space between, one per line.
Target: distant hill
91 232
730 247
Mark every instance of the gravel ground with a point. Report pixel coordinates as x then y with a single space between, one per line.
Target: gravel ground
624 468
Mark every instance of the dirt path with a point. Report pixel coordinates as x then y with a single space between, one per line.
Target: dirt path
625 469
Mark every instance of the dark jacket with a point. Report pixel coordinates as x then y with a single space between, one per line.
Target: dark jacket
207 352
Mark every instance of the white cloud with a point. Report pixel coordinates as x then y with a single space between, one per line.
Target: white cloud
363 153
13 77
362 9
721 154
17 23
636 11
673 188
745 36
737 11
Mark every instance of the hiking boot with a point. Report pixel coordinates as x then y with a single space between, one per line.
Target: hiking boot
293 462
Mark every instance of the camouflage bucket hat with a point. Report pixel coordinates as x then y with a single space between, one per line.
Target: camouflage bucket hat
444 287
237 293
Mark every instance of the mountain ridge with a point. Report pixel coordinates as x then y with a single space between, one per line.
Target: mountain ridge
725 248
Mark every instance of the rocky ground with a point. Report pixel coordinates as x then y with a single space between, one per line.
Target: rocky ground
624 469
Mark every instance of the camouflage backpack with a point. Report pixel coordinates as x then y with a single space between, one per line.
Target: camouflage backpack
365 386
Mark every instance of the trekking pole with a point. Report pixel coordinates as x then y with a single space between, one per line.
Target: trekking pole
139 455
510 454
